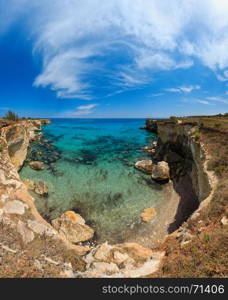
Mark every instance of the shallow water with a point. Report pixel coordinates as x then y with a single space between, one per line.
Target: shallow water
94 174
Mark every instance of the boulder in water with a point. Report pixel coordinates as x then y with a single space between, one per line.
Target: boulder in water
73 227
37 165
144 166
41 188
160 172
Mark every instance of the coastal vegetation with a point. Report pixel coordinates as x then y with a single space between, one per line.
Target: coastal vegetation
12 116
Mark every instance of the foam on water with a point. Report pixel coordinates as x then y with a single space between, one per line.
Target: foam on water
96 176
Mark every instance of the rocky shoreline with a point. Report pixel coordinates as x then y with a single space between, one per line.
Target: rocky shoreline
178 155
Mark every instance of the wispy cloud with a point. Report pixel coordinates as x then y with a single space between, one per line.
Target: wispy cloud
183 89
204 102
84 110
218 99
87 107
79 39
156 95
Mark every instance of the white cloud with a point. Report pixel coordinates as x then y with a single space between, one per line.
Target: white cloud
77 39
204 102
156 95
218 99
82 110
87 107
183 89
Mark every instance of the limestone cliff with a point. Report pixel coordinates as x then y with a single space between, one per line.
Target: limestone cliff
179 145
18 136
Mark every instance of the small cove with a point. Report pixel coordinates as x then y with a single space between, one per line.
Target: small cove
90 169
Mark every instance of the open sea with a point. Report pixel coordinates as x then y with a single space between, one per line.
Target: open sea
90 169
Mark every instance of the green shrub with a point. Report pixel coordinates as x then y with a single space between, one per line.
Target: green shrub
197 135
217 125
220 169
11 116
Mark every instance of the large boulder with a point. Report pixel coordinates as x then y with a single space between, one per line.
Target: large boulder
73 227
144 166
37 165
41 188
160 172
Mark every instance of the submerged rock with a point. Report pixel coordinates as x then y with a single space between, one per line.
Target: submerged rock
73 227
37 165
144 166
160 172
148 214
41 188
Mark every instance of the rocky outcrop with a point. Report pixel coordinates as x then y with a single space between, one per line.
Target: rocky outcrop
151 125
145 166
160 172
41 188
18 136
37 165
185 154
179 146
73 227
121 260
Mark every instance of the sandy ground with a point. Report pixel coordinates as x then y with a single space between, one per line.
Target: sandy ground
153 233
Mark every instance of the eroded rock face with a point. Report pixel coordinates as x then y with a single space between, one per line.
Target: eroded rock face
144 166
73 227
121 260
17 138
37 165
160 172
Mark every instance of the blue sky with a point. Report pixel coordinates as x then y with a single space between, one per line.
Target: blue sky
117 58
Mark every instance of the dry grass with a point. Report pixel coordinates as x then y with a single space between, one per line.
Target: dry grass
22 263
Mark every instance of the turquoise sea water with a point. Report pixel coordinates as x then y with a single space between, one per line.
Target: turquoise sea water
94 174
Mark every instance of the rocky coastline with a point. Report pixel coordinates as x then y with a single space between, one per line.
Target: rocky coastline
178 156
